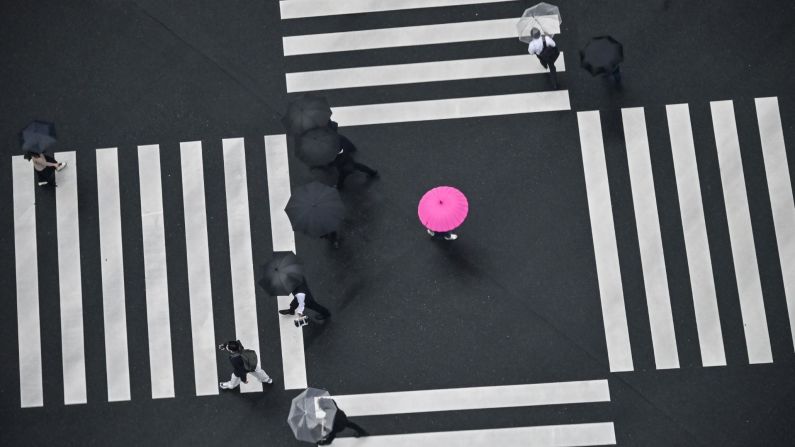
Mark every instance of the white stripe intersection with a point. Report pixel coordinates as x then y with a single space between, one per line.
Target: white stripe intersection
295 9
746 269
486 67
69 282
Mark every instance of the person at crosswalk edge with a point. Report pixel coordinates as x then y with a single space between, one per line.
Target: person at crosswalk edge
302 299
341 422
345 163
244 362
45 166
547 52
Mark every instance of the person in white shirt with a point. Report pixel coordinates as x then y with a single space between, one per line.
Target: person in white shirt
302 297
547 52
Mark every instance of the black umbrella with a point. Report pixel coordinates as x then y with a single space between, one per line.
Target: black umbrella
305 112
601 55
315 209
282 274
318 147
37 136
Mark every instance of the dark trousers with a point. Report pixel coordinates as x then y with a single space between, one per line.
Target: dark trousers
348 169
553 75
310 303
47 174
348 424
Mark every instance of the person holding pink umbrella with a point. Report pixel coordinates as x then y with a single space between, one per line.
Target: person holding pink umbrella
442 210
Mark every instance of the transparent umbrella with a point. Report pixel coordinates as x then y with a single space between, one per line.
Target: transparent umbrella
543 16
312 415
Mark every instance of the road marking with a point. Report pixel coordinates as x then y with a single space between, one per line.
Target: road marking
439 109
601 433
70 283
154 244
485 67
778 182
403 36
699 262
117 364
611 292
454 399
749 287
652 257
27 281
292 338
198 261
240 255
296 9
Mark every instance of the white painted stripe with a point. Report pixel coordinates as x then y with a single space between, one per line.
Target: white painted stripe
240 256
27 281
403 36
454 399
296 9
486 67
154 244
647 221
117 363
69 282
749 286
601 433
611 292
699 262
292 338
198 261
439 109
778 183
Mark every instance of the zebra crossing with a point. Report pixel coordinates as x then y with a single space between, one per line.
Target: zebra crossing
655 278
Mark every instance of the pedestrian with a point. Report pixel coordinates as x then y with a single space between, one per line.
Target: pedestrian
441 210
547 52
345 163
244 361
45 166
341 422
302 298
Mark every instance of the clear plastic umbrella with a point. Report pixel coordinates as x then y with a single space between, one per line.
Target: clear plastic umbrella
543 16
312 415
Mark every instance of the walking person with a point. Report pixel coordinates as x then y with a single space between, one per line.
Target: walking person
441 210
346 164
244 361
302 299
341 422
45 166
547 52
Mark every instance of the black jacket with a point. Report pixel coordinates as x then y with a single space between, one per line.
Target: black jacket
239 367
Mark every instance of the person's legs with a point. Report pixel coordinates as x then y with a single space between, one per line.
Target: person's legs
233 382
317 307
553 75
359 430
343 172
291 310
261 375
366 169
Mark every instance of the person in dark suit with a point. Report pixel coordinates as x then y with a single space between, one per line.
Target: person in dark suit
302 298
341 422
346 164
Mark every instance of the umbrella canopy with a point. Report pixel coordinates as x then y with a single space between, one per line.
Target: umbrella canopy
312 415
318 147
543 16
601 55
443 208
282 274
305 112
315 209
37 136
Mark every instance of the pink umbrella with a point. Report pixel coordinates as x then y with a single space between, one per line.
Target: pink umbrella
443 208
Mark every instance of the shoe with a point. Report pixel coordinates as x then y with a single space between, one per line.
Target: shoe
223 386
60 166
451 237
287 312
431 233
268 381
42 183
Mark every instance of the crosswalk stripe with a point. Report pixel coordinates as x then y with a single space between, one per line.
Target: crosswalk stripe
699 262
453 399
296 9
611 292
27 281
241 258
439 109
778 182
402 36
485 67
117 365
647 222
156 274
70 283
292 338
749 286
600 433
198 260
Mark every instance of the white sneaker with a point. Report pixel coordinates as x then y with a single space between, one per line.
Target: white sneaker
451 237
268 381
42 183
430 232
224 386
60 166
